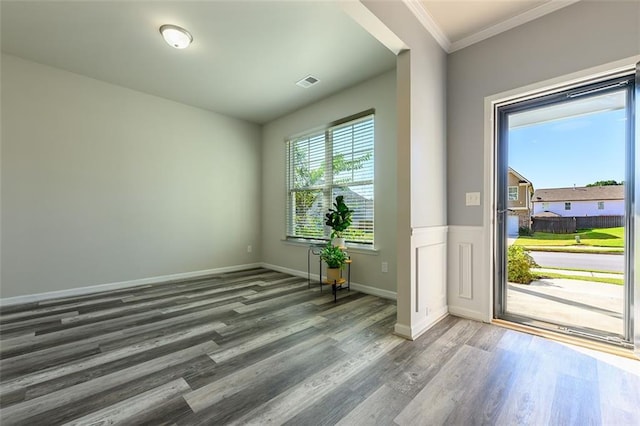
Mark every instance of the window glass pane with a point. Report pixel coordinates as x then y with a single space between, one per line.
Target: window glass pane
359 198
353 152
308 214
308 161
321 166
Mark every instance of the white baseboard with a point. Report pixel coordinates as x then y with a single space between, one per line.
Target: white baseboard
467 313
289 271
374 291
81 291
402 331
415 331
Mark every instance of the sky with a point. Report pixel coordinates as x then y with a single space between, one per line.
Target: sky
572 151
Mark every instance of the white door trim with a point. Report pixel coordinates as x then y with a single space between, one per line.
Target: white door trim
533 90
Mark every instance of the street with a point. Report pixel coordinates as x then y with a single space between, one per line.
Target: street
586 261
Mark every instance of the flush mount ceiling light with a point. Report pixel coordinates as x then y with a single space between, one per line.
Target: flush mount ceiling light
176 36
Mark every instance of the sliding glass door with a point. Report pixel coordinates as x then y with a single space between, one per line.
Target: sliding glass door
565 191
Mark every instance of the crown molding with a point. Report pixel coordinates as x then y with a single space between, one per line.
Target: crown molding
427 21
510 23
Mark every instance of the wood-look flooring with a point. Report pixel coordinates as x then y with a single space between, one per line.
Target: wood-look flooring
259 347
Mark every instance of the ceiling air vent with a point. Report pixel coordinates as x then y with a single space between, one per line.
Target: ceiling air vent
308 81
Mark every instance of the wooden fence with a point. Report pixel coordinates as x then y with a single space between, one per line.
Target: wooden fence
555 225
583 222
568 225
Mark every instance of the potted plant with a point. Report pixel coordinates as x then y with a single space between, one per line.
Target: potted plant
338 219
335 258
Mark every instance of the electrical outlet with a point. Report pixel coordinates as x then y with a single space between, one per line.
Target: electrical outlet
385 267
249 248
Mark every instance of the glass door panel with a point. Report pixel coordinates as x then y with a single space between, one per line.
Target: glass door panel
564 185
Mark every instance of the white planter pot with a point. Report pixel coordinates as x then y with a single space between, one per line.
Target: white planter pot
338 242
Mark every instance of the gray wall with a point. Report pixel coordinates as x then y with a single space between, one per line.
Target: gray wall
421 165
572 39
103 184
378 93
422 102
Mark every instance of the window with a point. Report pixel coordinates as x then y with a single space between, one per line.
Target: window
567 206
600 205
513 193
324 164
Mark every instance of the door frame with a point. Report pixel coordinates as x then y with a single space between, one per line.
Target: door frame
576 79
587 89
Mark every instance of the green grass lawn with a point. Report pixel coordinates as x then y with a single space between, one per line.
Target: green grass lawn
599 237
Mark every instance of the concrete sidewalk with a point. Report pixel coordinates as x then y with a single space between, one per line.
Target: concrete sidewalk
577 249
578 273
582 304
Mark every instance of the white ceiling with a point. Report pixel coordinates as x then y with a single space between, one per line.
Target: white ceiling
244 61
246 55
460 23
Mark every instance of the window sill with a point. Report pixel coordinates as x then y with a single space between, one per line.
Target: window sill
351 247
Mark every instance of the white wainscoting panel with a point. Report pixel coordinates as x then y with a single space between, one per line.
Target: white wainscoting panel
465 270
469 289
428 280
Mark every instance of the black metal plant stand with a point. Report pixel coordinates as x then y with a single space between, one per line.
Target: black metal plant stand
336 285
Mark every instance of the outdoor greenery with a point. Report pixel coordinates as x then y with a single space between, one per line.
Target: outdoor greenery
576 249
312 181
597 237
519 265
355 234
590 270
606 183
524 231
333 256
338 218
310 228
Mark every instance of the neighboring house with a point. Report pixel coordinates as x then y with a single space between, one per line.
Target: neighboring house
519 192
579 201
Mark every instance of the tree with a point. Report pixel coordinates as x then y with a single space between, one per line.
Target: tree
306 177
610 182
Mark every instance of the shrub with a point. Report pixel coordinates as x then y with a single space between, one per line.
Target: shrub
519 264
524 231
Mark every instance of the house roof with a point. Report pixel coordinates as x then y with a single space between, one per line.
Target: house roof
521 178
583 193
548 214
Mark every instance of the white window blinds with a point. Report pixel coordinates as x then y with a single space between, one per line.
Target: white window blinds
324 164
